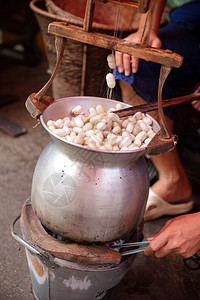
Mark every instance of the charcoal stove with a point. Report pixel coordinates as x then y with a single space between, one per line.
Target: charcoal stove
65 270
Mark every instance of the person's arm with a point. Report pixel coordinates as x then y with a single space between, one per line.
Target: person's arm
179 237
123 60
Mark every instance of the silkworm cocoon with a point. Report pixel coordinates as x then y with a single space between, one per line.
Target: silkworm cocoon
78 140
87 126
81 134
78 121
132 120
92 145
124 148
110 79
108 146
126 141
147 120
147 141
66 129
67 122
99 133
143 146
102 148
72 123
77 129
50 123
59 132
99 109
111 61
115 148
111 138
132 137
73 135
118 106
133 145
114 124
101 125
52 128
125 133
89 132
144 126
133 148
77 110
111 109
108 126
116 129
151 135
106 132
96 139
149 131
118 139
69 139
136 130
85 118
125 123
96 119
138 142
59 123
86 140
141 135
138 115
130 127
92 111
113 117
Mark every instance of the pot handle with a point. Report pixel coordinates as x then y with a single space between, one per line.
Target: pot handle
31 247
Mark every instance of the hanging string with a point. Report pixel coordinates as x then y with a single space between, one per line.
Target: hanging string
116 27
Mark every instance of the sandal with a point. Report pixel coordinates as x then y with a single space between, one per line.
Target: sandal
157 207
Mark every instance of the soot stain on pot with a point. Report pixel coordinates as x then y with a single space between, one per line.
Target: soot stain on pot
59 192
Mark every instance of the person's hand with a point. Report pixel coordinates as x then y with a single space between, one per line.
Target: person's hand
179 237
124 61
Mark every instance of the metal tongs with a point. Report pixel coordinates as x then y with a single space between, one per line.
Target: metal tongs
129 245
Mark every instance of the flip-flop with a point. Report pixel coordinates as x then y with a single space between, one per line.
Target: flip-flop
157 207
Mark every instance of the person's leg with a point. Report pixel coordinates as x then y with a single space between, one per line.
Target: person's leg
173 184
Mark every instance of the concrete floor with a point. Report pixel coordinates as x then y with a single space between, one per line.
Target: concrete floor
148 278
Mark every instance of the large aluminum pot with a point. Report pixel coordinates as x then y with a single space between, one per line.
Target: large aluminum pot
88 195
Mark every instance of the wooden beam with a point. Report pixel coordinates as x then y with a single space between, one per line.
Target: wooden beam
164 57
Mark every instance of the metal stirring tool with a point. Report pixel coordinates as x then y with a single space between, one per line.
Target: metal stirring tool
130 245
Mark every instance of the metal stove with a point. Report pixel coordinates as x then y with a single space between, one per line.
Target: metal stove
65 270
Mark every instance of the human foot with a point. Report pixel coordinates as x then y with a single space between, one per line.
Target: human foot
173 190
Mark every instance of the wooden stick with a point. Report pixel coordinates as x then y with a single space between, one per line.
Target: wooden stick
154 105
148 23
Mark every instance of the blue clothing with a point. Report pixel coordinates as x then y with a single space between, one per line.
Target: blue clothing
182 36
